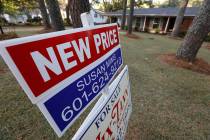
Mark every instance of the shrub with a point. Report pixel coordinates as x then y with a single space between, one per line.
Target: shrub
207 39
34 21
182 34
3 21
126 27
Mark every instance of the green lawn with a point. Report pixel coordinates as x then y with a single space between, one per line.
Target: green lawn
168 102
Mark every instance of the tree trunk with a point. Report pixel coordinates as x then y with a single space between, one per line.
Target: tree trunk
1 29
196 34
68 13
179 19
124 14
1 23
55 15
77 7
45 17
130 24
27 13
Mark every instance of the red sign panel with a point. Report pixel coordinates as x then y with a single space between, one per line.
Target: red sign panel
40 63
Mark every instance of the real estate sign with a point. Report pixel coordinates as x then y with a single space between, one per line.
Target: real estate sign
66 106
63 72
109 118
46 64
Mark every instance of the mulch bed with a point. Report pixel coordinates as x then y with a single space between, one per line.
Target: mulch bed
8 36
175 38
199 65
208 47
133 36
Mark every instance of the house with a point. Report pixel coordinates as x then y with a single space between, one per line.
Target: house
98 16
22 18
155 20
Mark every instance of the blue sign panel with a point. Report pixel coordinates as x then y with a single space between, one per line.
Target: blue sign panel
70 102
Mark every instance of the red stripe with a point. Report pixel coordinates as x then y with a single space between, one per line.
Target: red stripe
24 62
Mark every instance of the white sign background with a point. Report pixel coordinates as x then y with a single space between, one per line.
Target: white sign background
109 118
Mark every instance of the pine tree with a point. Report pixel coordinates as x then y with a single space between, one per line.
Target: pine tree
55 15
77 7
44 14
196 34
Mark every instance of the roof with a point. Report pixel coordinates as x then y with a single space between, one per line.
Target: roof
169 11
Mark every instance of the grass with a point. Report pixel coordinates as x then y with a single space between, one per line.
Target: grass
168 102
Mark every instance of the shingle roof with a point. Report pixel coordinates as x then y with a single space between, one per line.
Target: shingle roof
169 11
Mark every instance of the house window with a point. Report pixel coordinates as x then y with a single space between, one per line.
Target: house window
156 23
95 15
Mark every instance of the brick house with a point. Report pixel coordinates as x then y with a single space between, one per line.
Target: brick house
156 20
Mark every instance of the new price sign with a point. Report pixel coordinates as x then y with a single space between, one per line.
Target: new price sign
45 62
63 72
109 118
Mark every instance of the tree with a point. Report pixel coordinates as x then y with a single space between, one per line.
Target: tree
173 3
55 15
117 5
6 7
179 19
196 34
1 16
25 6
130 24
44 14
143 4
77 7
114 5
124 14
195 3
68 13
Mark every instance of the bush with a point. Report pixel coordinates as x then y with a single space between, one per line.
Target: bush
34 20
182 34
126 27
157 30
207 39
3 21
136 28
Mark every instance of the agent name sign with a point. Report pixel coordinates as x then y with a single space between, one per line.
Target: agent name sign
63 72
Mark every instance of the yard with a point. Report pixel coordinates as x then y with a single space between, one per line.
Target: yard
168 102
